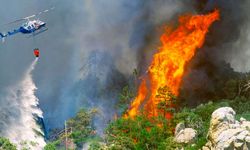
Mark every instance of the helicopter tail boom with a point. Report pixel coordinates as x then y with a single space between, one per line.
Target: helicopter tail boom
13 32
3 36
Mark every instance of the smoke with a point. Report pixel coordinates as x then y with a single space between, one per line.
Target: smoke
105 41
20 111
92 47
240 48
87 55
224 53
229 40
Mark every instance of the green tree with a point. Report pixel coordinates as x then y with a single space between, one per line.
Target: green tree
125 98
5 144
81 126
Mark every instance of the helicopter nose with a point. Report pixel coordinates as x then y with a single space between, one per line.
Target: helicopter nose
44 24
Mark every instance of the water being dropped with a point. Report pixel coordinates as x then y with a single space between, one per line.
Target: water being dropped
22 113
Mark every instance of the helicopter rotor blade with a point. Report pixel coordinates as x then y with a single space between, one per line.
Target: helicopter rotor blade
32 16
15 21
26 18
41 12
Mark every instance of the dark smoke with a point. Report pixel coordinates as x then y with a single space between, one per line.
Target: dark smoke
224 53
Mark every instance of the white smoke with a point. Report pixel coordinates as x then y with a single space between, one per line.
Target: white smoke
240 53
21 112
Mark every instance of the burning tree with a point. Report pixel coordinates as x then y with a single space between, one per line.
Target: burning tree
168 64
166 102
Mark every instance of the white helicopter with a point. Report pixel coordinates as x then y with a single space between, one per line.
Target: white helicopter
33 27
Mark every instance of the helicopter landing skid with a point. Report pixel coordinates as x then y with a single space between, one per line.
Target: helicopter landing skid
36 33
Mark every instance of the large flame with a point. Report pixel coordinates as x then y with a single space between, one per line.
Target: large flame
167 67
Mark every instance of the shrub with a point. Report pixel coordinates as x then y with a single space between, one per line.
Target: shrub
5 144
138 133
170 144
240 104
50 146
96 146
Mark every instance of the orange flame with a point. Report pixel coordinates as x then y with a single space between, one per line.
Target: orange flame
168 64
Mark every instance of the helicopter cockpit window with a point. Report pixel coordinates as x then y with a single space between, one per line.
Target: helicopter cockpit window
25 25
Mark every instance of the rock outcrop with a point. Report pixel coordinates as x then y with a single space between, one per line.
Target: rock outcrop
226 133
184 135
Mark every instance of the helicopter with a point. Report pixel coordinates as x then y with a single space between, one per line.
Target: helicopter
33 27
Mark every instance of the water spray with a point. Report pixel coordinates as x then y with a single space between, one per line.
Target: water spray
23 127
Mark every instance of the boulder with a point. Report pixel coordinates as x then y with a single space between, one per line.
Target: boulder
184 135
227 133
179 127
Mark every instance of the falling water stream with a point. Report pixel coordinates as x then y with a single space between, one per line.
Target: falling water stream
23 129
